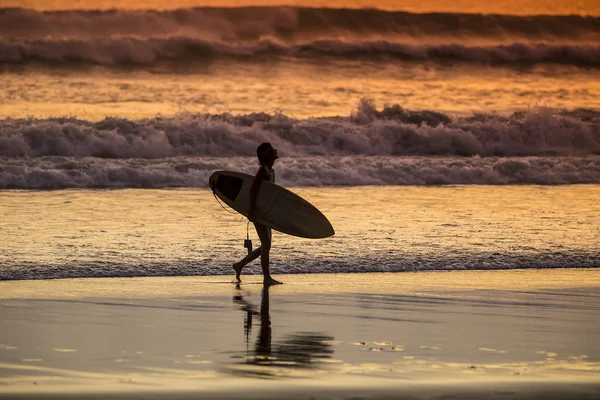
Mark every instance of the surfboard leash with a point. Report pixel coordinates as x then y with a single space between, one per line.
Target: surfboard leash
219 201
247 242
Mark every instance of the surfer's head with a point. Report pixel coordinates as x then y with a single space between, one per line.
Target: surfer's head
266 153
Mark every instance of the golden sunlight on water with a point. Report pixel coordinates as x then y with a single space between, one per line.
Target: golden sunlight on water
80 233
297 89
590 7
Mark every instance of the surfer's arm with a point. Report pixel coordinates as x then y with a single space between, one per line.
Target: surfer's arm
261 175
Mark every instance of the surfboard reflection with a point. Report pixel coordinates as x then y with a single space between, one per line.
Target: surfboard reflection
295 355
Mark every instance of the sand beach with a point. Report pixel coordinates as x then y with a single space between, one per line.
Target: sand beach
459 334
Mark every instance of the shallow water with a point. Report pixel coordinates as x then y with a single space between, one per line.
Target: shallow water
92 233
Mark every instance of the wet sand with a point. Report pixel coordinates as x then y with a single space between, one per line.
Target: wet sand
461 334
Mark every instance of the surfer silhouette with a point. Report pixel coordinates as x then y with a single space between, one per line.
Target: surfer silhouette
267 155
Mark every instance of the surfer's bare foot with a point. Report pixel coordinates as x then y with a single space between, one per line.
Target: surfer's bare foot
237 267
270 281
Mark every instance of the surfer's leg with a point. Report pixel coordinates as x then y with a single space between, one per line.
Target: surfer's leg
265 248
264 234
238 266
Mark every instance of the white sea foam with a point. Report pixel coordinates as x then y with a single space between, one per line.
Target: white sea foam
89 172
392 146
392 131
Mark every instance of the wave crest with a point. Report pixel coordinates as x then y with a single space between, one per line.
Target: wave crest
392 131
538 146
149 52
137 37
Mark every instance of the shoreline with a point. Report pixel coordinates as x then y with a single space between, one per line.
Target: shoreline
383 282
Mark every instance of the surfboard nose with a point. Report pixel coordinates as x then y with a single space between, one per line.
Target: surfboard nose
212 180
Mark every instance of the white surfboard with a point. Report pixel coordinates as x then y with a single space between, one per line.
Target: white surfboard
278 208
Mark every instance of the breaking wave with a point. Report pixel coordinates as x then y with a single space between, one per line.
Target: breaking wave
392 146
392 131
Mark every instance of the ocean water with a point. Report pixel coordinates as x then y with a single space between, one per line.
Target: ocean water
433 136
133 232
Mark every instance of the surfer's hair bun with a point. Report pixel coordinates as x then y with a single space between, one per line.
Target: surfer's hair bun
260 152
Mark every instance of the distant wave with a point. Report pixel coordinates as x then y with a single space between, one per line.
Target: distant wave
391 131
134 37
290 24
153 51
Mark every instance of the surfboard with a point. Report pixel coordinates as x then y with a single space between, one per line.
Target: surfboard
278 208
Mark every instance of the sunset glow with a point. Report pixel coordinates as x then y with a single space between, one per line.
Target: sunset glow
326 199
514 7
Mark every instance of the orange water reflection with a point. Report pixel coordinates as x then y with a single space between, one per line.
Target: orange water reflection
524 7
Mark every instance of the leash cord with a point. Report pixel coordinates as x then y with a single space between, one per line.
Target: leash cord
247 225
223 207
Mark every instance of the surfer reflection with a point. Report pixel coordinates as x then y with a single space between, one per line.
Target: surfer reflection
298 350
267 155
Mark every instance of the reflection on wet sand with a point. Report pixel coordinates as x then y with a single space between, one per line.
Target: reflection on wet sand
285 357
